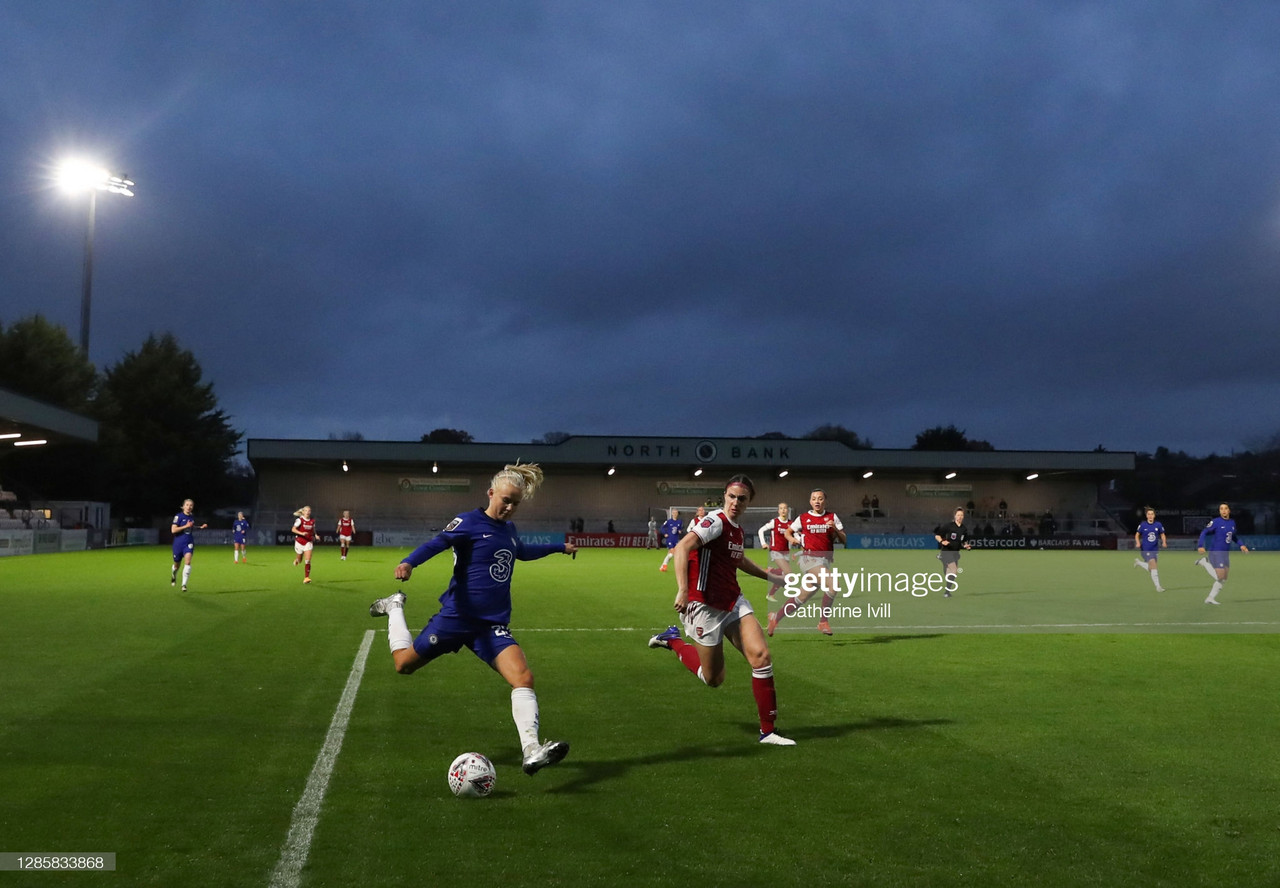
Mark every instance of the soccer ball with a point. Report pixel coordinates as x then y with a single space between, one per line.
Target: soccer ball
471 776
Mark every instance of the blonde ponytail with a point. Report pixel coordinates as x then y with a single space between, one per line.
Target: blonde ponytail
526 477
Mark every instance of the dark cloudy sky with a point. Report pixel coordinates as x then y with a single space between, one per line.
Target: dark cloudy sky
1053 224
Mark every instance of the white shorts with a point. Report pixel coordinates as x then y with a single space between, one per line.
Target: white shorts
300 549
809 562
706 624
782 559
345 541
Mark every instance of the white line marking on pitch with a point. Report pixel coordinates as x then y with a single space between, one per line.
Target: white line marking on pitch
306 813
862 630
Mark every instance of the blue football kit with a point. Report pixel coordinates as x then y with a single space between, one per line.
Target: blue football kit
1149 532
184 540
1222 532
672 532
476 607
238 530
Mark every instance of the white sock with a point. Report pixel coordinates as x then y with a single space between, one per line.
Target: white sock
1142 564
702 678
1217 587
1208 568
1155 578
398 630
524 710
665 560
186 573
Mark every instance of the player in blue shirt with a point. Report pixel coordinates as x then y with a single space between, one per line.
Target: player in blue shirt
476 607
1149 539
184 542
1223 532
672 533
239 530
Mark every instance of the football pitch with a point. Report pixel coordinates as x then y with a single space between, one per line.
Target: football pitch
1056 722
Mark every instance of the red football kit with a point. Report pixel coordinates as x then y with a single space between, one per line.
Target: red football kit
778 541
713 567
817 532
307 528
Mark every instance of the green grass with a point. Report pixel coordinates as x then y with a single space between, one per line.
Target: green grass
178 730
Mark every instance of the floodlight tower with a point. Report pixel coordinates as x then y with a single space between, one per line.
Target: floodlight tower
76 176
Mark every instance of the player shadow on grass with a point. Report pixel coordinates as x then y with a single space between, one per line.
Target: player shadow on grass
200 595
882 639
592 772
878 723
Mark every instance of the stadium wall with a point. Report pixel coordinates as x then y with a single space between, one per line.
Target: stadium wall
401 498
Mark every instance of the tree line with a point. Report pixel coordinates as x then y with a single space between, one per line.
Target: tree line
161 434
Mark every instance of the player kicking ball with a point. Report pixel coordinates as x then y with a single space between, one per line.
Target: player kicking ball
475 609
713 608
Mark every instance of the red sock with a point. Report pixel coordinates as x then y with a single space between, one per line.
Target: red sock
688 654
789 609
766 698
308 570
827 598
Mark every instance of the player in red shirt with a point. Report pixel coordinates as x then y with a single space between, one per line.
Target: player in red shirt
346 530
713 608
773 536
816 532
304 538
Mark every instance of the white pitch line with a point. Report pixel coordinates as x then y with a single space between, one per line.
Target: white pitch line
306 813
862 629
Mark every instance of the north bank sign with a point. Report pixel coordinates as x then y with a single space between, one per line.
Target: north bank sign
700 450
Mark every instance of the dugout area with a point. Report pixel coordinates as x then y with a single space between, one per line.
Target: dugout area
396 487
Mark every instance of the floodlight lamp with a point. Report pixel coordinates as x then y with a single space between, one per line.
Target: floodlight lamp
950 475
612 469
697 473
867 474
30 442
784 473
77 175
1033 476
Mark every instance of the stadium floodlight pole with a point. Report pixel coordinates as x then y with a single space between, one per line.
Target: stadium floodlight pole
76 176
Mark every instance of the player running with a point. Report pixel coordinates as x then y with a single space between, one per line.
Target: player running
1223 531
475 609
697 516
184 542
773 536
816 533
1149 539
346 531
713 608
239 534
672 531
304 540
